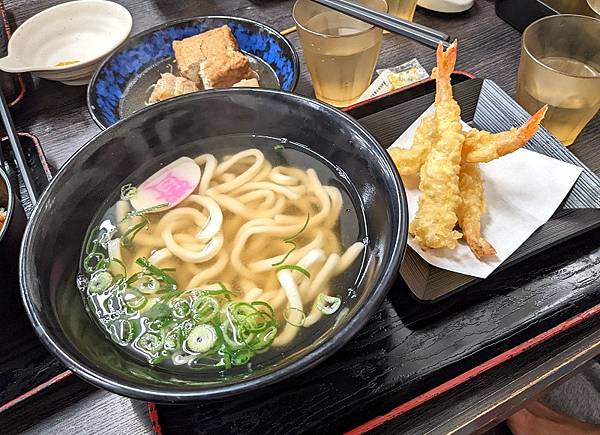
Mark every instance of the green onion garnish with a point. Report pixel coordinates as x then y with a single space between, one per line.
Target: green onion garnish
127 238
120 263
202 338
134 299
294 310
128 191
146 210
100 281
303 271
291 241
150 342
295 236
157 272
159 311
222 291
204 309
328 304
278 147
285 257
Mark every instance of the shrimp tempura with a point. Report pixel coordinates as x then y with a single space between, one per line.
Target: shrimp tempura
483 146
409 161
472 208
433 226
479 146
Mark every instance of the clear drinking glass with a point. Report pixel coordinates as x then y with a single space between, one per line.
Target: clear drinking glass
560 66
340 51
402 8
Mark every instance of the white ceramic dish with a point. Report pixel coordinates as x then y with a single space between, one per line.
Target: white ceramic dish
85 31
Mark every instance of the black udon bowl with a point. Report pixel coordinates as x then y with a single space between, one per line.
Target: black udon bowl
57 227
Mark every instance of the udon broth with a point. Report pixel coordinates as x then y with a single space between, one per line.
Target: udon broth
257 262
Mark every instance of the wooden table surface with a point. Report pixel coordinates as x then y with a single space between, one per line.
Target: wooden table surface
489 48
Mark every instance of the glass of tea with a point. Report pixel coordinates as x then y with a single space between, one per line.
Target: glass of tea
340 51
560 67
402 8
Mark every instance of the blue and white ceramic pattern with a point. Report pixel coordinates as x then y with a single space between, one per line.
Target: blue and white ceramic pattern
137 54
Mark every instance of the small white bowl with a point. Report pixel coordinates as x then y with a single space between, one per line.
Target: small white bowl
85 31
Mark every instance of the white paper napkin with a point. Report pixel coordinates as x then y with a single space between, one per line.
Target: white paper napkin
522 189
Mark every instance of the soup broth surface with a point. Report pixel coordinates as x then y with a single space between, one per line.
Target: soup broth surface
228 290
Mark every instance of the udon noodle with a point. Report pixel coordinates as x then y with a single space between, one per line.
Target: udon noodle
261 240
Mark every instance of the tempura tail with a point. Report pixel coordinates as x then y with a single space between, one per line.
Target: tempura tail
433 226
409 161
483 146
472 208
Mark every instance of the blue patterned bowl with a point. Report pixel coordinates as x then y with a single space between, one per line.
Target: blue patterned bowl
115 91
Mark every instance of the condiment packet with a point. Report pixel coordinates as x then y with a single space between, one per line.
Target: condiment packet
522 190
390 79
405 74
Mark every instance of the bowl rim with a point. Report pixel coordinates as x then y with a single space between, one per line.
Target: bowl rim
10 206
92 109
67 68
167 394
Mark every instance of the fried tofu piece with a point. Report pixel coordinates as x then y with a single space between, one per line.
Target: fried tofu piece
247 83
213 58
169 86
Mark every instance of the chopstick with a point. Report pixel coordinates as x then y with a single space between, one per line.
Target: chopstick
16 148
414 31
288 30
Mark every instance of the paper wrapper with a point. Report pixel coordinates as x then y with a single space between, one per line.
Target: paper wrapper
390 79
522 190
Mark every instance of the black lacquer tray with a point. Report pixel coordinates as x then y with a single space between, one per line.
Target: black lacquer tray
484 105
411 352
25 365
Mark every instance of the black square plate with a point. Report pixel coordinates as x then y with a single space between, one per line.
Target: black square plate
484 105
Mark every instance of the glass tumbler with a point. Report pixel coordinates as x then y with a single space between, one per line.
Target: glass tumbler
560 67
402 8
340 51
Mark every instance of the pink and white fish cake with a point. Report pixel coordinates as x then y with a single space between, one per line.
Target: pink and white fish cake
171 185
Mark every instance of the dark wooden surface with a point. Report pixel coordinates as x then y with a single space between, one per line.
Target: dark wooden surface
488 47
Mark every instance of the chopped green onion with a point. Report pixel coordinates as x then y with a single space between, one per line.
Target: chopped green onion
159 311
167 295
291 241
172 339
295 236
158 273
202 338
126 330
93 239
159 358
128 191
100 281
241 357
204 309
146 284
285 257
87 261
278 147
180 308
303 271
222 291
134 299
256 304
150 342
127 238
120 263
146 210
328 304
294 310
264 339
